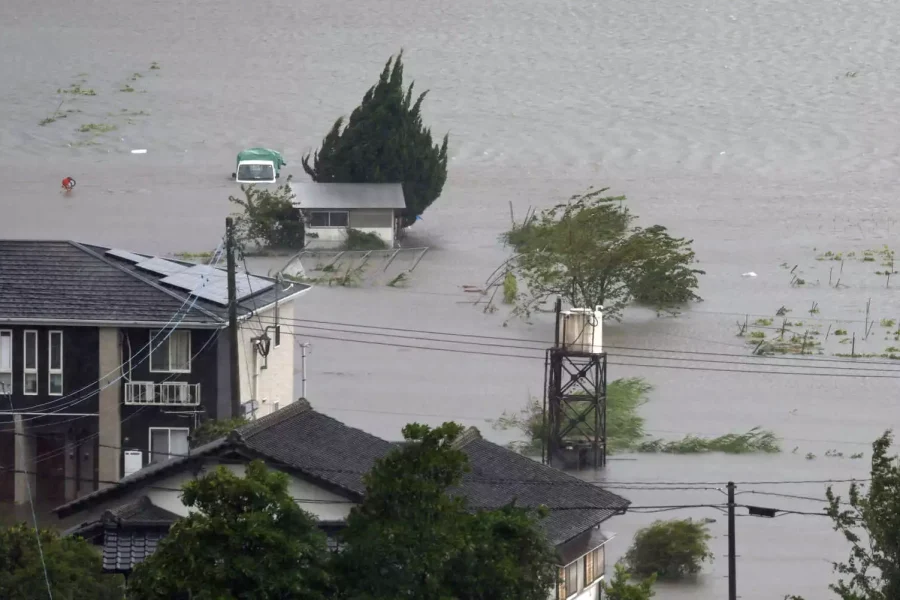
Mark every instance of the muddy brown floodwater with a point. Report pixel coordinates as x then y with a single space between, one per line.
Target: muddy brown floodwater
767 131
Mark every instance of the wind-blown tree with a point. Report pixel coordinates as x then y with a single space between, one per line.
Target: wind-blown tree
409 538
590 252
385 141
247 539
621 588
70 567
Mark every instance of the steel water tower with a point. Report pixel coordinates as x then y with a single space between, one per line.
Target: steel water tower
575 395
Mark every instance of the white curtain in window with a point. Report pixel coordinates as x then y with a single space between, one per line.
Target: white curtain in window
159 444
179 442
180 350
5 352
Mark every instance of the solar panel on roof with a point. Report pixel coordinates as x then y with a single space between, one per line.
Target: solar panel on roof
126 255
212 295
161 266
208 271
247 285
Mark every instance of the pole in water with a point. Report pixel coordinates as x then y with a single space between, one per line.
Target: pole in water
732 547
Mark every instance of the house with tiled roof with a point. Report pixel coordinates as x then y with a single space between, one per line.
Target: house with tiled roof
326 460
109 358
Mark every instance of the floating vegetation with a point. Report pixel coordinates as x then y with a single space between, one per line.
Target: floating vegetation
840 332
129 113
97 128
126 88
856 456
834 454
810 456
76 90
154 66
510 288
888 323
758 335
755 440
814 309
135 77
762 322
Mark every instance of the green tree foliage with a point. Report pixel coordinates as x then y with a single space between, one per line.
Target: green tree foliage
384 141
269 219
248 539
73 567
871 523
410 538
590 252
212 429
669 549
620 588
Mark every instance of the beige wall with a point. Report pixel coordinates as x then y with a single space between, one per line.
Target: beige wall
109 407
164 495
275 383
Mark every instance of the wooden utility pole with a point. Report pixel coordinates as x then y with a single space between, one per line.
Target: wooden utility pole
234 357
732 558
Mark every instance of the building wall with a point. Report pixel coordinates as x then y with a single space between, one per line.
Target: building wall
269 381
166 494
137 420
79 368
377 221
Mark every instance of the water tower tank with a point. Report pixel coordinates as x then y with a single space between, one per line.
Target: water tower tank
581 330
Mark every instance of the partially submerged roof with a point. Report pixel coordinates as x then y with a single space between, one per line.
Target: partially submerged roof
336 456
348 195
65 282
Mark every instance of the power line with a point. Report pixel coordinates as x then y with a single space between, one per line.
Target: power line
545 344
750 361
615 363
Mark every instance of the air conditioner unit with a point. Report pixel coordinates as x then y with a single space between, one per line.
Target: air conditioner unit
134 461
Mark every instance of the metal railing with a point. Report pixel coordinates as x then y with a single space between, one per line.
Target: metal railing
168 393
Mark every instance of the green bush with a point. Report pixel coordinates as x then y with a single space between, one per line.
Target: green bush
359 240
669 549
269 219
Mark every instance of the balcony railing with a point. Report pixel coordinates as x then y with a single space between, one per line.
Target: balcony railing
169 393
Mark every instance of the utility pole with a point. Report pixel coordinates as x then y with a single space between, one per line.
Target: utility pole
732 558
234 357
303 348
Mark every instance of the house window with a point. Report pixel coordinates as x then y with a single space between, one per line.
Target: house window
6 350
166 442
30 370
171 352
55 373
328 218
572 578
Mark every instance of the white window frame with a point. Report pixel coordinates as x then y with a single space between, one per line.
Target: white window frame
169 449
157 337
8 333
25 370
50 370
329 213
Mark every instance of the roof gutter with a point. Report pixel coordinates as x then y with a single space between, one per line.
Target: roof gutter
108 323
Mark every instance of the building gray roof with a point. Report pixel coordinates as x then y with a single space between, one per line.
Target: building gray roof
348 195
65 282
336 456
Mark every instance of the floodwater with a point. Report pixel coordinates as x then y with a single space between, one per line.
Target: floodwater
766 131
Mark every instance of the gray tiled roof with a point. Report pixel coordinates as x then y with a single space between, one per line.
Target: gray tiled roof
348 195
337 456
124 548
59 280
64 281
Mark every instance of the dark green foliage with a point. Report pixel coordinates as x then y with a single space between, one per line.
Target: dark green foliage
269 219
589 252
248 539
384 141
73 567
212 429
871 523
669 549
409 538
620 587
359 240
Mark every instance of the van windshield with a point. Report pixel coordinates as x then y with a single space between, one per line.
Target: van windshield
255 173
